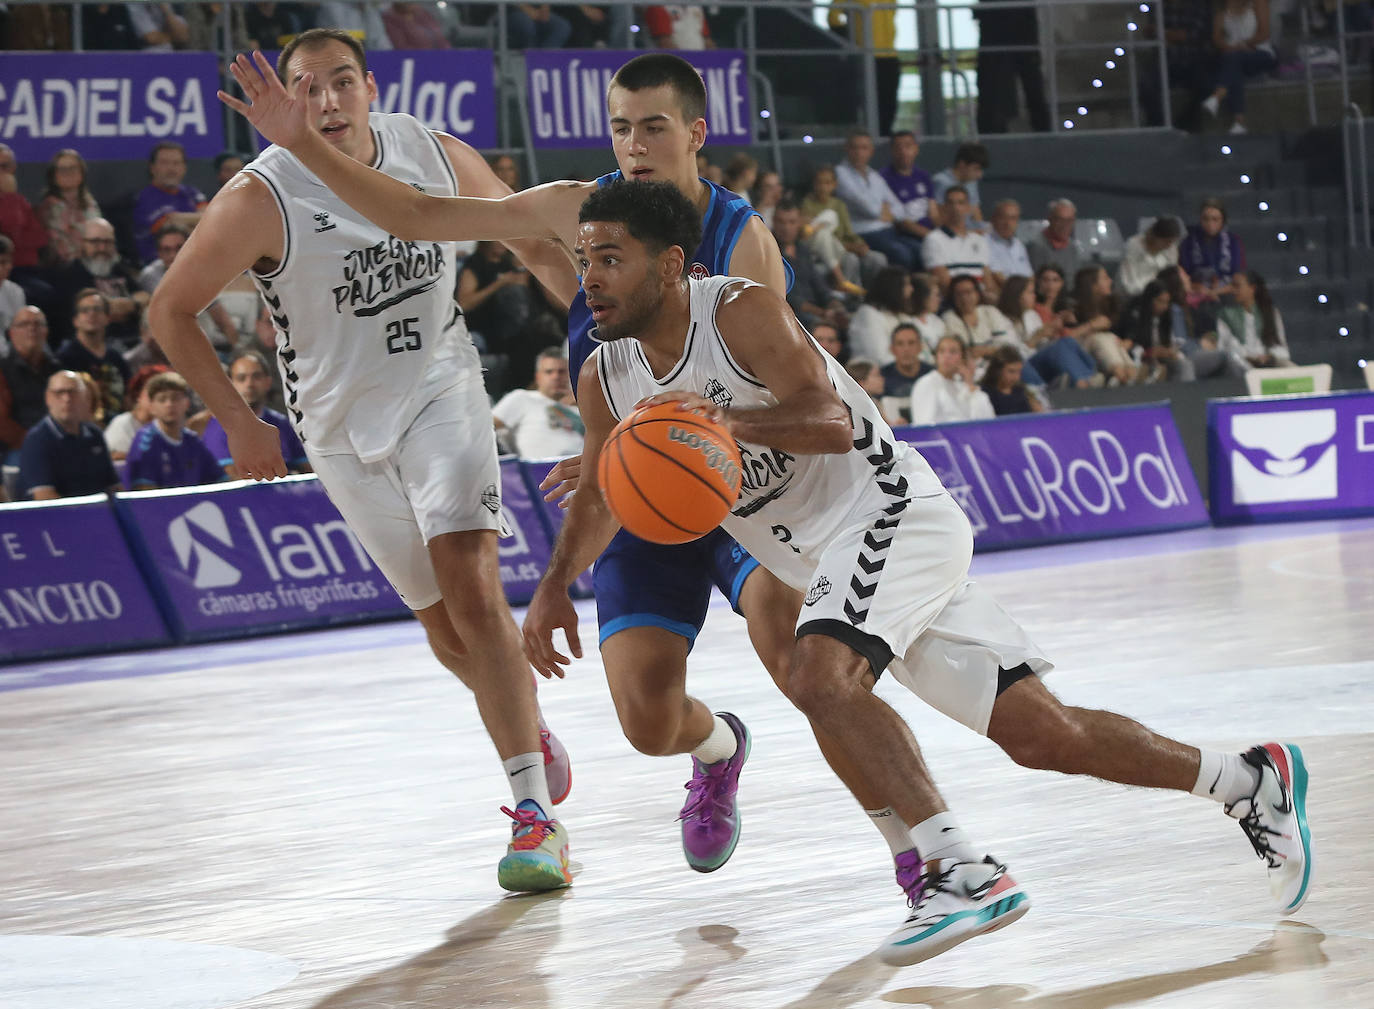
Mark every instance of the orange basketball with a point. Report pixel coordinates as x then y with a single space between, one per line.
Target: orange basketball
669 476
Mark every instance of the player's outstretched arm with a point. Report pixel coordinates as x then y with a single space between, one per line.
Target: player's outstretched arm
283 117
587 530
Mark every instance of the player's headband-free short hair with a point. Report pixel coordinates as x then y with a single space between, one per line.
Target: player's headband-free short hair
656 70
655 213
314 38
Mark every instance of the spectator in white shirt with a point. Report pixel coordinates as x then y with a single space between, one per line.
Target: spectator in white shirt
925 300
1007 255
1251 330
948 394
543 422
979 327
874 208
1154 249
886 304
953 250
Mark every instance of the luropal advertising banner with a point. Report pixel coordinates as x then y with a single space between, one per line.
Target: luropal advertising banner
68 582
525 553
108 105
246 558
1072 475
566 94
1291 457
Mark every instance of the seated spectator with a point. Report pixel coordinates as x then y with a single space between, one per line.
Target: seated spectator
980 327
838 246
1211 254
27 368
504 306
64 455
66 205
912 185
1199 345
265 339
120 431
810 296
1250 332
873 207
12 297
954 250
709 171
272 25
100 268
1007 256
949 394
766 195
505 168
925 301
21 226
253 379
870 379
167 199
535 26
1147 253
741 172
108 28
543 422
148 351
211 31
1240 32
88 351
159 28
215 319
1095 311
1051 294
1003 386
1048 351
906 366
227 165
364 20
829 338
164 452
970 162
887 304
415 26
1056 242
1147 324
677 26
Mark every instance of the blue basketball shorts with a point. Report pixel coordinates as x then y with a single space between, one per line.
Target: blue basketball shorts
641 584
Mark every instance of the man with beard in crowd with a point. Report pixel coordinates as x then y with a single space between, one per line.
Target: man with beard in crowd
100 267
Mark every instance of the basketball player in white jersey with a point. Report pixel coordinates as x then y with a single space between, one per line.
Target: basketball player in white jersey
841 510
384 387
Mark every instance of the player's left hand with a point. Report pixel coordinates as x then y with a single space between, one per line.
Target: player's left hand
689 402
282 117
562 481
550 608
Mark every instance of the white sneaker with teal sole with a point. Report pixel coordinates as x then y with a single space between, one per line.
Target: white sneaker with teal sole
1274 819
950 902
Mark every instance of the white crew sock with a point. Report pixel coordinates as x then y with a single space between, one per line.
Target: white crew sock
896 833
719 745
942 837
1225 777
527 781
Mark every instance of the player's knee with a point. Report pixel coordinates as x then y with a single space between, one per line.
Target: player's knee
813 689
653 734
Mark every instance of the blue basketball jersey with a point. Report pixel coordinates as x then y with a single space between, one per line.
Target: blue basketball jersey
721 225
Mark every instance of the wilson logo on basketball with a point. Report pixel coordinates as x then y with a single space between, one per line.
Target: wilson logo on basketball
698 272
716 459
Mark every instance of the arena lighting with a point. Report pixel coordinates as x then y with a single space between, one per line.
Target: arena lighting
1082 110
1068 124
634 28
1118 51
1144 8
1282 236
1110 64
1245 180
808 139
1263 205
1097 82
1345 332
1321 299
1302 270
1225 148
764 113
1131 26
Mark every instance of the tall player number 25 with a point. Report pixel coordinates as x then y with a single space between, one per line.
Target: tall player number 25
402 335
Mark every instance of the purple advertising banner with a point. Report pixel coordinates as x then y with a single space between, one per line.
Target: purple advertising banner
524 554
109 106
247 558
566 92
1045 478
535 472
1291 457
68 582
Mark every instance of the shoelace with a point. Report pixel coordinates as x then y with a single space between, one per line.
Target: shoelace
1258 834
530 828
705 791
544 745
911 876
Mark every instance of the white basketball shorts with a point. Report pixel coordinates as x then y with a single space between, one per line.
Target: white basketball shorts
896 589
443 477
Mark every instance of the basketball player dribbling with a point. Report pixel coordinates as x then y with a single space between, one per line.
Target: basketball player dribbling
651 599
385 390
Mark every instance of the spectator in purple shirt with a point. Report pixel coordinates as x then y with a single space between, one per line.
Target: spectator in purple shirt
912 185
165 453
166 199
249 372
1211 253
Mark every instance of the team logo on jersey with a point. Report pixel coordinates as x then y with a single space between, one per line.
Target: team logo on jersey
322 222
819 589
417 187
717 393
698 272
491 498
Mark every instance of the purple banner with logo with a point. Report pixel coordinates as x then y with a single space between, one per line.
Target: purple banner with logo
248 558
535 472
1044 478
1291 457
566 93
524 554
68 582
109 105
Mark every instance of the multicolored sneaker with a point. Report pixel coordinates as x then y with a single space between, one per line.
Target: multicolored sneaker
557 766
710 820
950 901
1274 819
537 857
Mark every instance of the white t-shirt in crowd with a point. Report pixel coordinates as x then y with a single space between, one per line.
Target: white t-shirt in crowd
962 255
939 400
542 428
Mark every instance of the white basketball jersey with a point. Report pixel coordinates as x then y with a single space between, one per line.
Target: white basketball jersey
790 507
368 330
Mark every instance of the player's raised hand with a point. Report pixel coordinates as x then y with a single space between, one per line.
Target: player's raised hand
256 450
281 116
550 608
562 481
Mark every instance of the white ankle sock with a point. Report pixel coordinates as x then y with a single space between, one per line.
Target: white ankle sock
942 837
1225 777
719 745
527 781
896 833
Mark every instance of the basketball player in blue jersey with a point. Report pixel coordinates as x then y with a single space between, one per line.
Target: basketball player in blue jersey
385 390
651 599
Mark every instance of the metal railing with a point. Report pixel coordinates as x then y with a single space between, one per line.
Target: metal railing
1356 176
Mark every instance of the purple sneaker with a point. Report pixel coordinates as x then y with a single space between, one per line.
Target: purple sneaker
710 821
